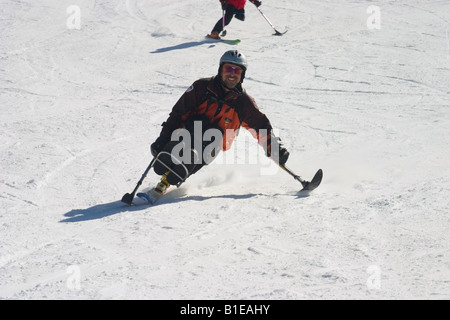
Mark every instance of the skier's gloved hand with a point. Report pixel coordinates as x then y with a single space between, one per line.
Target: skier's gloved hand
276 151
257 3
224 4
283 155
157 146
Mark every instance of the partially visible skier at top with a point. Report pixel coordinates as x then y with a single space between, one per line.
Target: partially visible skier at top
232 8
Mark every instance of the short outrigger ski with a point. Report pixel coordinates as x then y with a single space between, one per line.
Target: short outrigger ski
307 185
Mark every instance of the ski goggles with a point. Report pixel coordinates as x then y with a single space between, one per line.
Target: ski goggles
231 68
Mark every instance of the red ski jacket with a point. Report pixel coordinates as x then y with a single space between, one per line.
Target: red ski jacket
239 4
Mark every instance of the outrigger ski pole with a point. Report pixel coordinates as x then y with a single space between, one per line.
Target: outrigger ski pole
277 33
307 185
128 197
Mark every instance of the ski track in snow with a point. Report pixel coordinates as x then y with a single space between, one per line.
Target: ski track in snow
79 109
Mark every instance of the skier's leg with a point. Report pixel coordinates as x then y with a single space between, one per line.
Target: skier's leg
164 161
229 13
171 165
201 152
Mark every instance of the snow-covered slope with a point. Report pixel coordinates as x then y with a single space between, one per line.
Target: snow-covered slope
80 107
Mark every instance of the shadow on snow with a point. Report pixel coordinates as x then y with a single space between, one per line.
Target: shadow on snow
185 45
108 209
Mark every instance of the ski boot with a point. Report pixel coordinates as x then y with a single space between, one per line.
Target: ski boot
214 35
154 194
162 186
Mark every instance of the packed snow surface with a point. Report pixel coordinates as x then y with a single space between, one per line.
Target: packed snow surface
358 88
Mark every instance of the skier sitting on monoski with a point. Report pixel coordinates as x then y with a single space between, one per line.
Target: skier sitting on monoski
207 117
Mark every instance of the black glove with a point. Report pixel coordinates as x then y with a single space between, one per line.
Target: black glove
157 146
224 4
283 155
257 3
277 152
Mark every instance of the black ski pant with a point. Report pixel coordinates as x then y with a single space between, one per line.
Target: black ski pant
230 11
